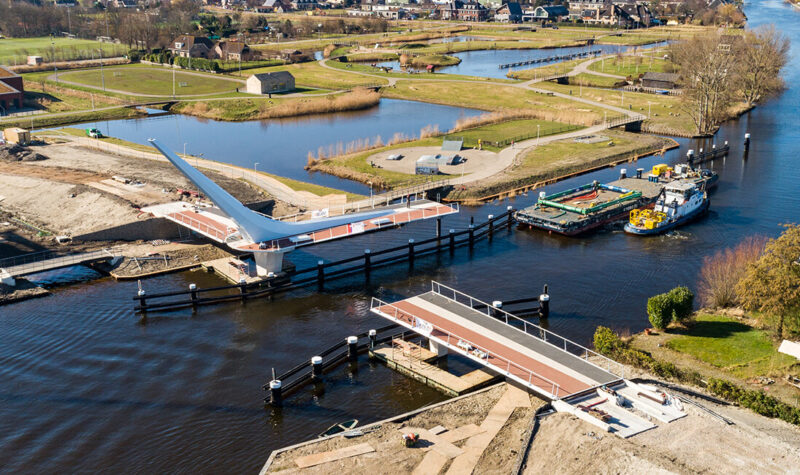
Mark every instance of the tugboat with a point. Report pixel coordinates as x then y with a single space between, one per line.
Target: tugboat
680 202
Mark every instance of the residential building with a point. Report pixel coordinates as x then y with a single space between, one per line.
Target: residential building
188 46
231 50
304 4
472 11
269 83
510 12
554 13
12 91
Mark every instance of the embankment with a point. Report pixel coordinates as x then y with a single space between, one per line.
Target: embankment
256 109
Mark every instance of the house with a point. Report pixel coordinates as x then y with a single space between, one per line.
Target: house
125 3
554 13
12 91
579 8
187 46
449 10
472 11
389 12
269 83
304 4
510 12
639 12
660 80
231 50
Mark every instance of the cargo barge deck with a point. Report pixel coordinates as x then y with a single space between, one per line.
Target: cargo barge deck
570 223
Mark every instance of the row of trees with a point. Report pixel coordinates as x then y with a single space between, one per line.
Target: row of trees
759 275
719 71
149 28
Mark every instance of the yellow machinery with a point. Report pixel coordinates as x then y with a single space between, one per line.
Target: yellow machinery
647 218
660 169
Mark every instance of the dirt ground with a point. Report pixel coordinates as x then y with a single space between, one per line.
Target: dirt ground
72 192
177 255
391 456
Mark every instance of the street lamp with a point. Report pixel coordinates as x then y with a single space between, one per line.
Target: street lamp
371 203
184 150
53 44
102 75
537 134
255 167
648 109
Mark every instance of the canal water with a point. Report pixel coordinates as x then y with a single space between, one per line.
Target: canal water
484 63
281 146
86 388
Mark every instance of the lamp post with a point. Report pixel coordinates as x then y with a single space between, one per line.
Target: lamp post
371 203
102 74
537 135
648 109
53 45
255 167
184 150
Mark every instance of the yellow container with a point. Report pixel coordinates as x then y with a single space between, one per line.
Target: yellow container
660 169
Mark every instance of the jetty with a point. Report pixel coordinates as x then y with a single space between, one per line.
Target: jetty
550 59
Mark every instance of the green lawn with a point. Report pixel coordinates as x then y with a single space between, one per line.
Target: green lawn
496 97
16 50
314 75
547 70
727 343
504 132
631 65
567 150
366 68
151 81
593 80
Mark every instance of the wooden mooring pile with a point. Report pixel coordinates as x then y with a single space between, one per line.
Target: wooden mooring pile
323 271
707 155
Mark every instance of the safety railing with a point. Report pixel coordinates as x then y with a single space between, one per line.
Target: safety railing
468 348
200 226
531 329
48 260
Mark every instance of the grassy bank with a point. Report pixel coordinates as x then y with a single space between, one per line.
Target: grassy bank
256 109
721 346
40 122
632 65
593 80
434 60
495 97
370 57
377 74
16 50
313 75
558 159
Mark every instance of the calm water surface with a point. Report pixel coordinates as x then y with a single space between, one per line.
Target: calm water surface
281 146
85 388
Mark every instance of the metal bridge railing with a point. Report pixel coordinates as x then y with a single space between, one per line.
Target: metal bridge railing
47 260
469 349
531 329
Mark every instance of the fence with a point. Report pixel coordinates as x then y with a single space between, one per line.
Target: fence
469 349
532 329
323 271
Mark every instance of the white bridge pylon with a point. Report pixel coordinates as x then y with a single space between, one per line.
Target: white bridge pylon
242 229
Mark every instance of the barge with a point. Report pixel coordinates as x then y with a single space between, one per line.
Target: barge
587 207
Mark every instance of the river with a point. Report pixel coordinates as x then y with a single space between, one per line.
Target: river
86 388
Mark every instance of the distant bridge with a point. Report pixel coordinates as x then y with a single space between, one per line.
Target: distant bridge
50 260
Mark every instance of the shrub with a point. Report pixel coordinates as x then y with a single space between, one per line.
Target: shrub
659 310
682 303
607 342
721 272
134 55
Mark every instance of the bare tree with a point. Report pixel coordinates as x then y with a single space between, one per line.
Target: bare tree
707 73
761 55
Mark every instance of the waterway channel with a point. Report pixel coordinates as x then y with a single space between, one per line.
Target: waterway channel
86 388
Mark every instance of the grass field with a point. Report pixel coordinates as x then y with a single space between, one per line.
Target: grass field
366 68
593 80
151 81
505 131
313 75
547 70
632 65
727 343
664 111
16 50
496 97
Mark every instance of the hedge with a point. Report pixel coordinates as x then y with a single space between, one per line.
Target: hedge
673 306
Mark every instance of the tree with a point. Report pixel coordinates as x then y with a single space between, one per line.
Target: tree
706 78
760 57
772 284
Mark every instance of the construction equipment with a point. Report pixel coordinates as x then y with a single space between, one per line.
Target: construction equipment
648 218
